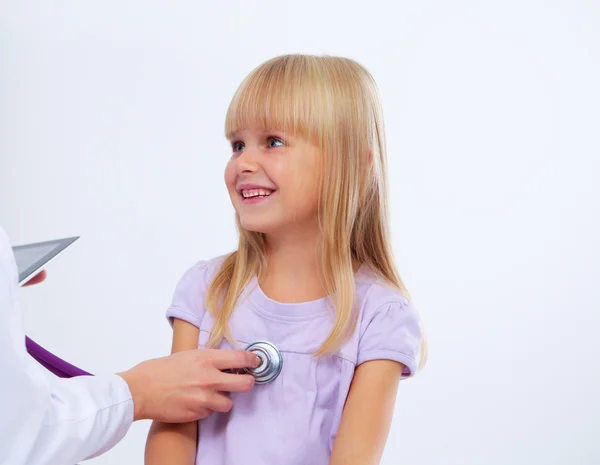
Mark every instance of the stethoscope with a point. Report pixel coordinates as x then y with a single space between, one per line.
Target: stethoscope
271 362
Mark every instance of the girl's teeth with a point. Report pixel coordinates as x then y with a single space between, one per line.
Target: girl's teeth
256 192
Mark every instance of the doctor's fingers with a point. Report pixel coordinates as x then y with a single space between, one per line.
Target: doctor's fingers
230 359
199 414
215 401
230 382
38 278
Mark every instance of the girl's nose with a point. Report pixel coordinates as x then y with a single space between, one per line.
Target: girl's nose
247 162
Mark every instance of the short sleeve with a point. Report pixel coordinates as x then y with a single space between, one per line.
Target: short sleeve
391 332
188 299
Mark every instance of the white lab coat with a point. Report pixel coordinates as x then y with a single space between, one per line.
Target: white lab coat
45 420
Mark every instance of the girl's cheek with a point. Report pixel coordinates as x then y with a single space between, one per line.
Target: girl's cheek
229 175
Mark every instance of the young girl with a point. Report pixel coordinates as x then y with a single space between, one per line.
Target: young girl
313 275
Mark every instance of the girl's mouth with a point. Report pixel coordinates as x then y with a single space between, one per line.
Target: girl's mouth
255 195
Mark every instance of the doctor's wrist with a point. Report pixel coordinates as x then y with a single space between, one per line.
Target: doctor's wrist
136 387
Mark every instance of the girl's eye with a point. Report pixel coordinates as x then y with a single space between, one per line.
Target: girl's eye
237 146
274 142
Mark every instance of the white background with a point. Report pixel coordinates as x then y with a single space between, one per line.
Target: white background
111 127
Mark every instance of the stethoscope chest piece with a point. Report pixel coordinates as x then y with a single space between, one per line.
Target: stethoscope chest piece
271 362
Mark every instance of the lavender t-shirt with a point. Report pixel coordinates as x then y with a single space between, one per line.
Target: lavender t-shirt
294 419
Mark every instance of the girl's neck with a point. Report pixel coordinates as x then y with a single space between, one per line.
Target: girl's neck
292 274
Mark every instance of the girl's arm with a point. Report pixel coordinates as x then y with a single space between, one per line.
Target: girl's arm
368 413
168 442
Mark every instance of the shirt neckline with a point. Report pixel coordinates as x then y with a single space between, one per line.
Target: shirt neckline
291 311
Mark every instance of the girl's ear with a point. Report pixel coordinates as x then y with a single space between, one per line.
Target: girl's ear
370 157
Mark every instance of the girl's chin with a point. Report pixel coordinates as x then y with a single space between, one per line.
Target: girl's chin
255 225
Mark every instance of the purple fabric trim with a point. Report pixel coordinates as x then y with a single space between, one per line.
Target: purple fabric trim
52 363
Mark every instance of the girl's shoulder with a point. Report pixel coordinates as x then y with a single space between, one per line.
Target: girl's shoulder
188 298
197 278
203 271
373 291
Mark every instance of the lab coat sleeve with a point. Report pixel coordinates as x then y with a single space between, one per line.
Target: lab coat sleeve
47 420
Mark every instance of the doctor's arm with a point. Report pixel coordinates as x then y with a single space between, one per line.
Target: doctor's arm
44 419
367 415
48 420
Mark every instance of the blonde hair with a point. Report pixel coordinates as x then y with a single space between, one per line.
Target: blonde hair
334 103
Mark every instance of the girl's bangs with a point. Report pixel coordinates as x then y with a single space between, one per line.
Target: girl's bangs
274 97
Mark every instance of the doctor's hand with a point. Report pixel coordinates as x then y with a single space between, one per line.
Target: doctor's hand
38 278
188 385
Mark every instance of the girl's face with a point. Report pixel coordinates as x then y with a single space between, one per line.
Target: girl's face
273 181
